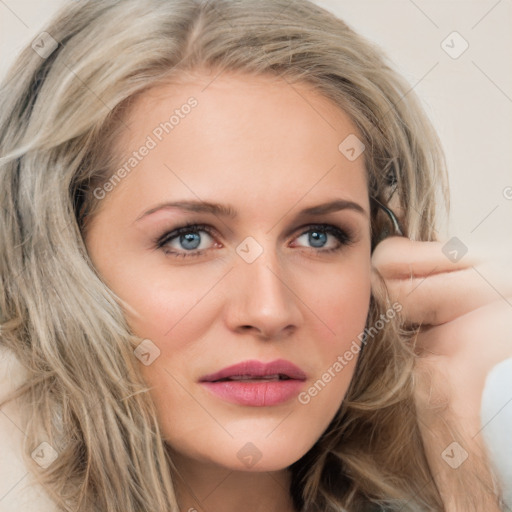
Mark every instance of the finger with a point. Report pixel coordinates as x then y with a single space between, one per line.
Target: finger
398 258
433 292
440 298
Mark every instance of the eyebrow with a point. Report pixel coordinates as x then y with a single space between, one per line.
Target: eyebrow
228 211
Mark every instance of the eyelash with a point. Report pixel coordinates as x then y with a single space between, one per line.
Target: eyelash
343 236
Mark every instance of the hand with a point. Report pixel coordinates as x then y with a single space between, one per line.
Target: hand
464 313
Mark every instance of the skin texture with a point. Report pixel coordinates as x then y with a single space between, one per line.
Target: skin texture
269 150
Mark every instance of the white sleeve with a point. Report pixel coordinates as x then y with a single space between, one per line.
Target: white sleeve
496 420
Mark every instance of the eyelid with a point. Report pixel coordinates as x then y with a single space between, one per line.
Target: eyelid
322 225
343 235
298 231
169 234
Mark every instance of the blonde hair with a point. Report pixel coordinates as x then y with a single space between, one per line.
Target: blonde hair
60 115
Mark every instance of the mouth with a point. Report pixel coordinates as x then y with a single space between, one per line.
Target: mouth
256 384
253 370
254 378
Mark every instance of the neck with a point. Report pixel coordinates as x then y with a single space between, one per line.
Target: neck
207 487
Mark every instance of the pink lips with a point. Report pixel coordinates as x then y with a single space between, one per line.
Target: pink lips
255 383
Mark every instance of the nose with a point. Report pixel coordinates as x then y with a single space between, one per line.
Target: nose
261 298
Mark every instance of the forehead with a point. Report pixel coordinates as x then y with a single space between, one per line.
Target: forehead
242 133
247 94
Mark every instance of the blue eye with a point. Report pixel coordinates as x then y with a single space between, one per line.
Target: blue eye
187 240
188 237
318 237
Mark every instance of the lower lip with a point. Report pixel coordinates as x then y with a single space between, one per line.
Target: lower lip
256 394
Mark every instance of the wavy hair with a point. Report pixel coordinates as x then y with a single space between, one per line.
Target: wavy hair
60 115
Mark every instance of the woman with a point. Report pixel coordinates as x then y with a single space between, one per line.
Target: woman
270 368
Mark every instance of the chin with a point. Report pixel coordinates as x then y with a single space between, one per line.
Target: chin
264 450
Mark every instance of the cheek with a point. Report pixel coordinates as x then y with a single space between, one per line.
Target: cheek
162 301
176 310
344 310
343 303
347 300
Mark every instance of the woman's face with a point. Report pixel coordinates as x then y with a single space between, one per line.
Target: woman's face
272 272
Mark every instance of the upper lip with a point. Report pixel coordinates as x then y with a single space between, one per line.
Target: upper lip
257 369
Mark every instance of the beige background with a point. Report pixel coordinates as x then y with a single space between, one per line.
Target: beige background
469 98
